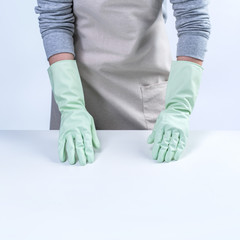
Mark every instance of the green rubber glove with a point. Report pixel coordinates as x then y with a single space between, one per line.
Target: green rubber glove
77 134
170 132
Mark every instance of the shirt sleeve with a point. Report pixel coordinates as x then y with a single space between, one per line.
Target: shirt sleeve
193 27
56 23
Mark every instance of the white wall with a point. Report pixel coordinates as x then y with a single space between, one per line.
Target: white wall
25 91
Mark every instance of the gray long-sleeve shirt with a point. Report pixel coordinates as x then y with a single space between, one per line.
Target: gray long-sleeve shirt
56 22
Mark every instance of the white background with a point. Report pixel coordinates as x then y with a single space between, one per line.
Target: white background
25 93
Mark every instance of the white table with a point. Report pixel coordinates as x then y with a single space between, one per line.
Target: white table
124 194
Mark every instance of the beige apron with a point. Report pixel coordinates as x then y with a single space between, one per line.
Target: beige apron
123 55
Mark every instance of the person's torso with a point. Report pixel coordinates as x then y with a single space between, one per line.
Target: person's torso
126 34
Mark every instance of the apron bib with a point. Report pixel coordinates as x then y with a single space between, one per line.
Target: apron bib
123 55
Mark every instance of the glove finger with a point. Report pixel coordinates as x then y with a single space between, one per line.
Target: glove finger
151 137
95 140
172 146
87 138
180 148
62 150
70 147
164 146
157 142
80 150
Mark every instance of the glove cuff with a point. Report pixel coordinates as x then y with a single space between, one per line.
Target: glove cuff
183 85
66 85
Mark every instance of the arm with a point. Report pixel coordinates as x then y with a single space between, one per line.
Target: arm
77 133
56 23
171 130
193 28
60 56
190 59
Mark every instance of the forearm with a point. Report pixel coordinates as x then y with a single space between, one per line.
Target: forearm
185 58
60 56
193 27
56 22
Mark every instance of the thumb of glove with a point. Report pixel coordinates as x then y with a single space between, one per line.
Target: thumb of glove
150 138
96 142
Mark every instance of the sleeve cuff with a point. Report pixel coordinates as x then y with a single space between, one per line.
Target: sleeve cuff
192 46
58 42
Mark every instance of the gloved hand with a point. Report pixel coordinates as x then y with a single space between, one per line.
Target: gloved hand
77 135
171 130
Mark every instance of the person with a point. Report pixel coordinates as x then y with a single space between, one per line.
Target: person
111 68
